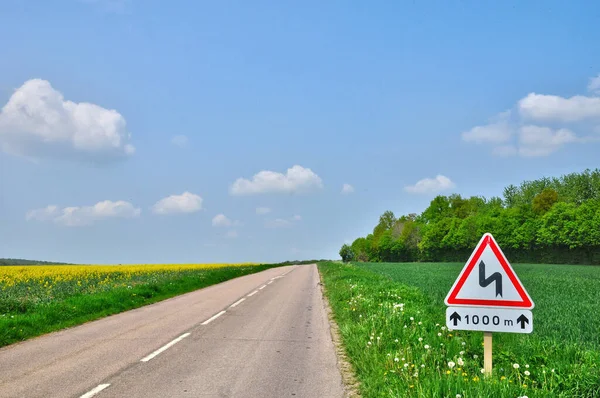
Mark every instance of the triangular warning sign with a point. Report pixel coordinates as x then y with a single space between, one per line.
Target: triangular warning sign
488 280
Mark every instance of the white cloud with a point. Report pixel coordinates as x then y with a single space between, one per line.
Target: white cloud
497 132
431 185
187 202
85 215
594 86
262 210
542 141
220 220
521 137
296 180
46 214
38 122
282 222
179 140
232 234
556 108
347 188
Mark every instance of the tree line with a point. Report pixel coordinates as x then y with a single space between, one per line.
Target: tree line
550 220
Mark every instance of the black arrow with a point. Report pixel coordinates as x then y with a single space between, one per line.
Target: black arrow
522 320
455 317
495 277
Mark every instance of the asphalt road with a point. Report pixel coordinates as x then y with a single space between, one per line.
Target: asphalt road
261 335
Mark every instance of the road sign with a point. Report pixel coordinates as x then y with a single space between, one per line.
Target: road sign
489 319
488 280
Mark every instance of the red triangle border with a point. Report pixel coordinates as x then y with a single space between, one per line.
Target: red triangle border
489 241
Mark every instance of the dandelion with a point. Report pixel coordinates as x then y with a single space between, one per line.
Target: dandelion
439 335
451 364
443 327
369 343
475 356
460 362
420 323
437 324
516 365
396 340
483 371
458 396
463 344
448 372
403 359
461 353
527 366
422 366
420 339
501 378
396 360
450 329
527 373
406 365
427 346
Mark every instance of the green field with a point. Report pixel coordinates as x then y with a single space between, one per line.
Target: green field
391 318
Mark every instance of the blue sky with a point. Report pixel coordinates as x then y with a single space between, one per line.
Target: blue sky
127 126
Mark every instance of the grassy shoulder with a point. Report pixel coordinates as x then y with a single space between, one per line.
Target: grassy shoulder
395 337
35 319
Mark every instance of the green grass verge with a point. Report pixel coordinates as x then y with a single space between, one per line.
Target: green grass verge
392 323
71 310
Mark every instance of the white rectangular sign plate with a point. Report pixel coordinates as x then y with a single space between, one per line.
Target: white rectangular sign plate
489 319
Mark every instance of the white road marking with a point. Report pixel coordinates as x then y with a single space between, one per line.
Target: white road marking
95 391
269 282
163 348
237 302
262 287
212 318
253 293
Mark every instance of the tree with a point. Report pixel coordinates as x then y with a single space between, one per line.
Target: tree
543 201
346 253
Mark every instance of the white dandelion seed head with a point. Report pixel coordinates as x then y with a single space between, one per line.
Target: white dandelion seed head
439 335
451 364
427 346
420 339
482 370
527 373
527 366
460 362
396 360
516 365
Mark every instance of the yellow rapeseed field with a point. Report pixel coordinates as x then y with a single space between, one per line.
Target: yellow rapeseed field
52 274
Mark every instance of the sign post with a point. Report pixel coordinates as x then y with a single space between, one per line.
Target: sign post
488 296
